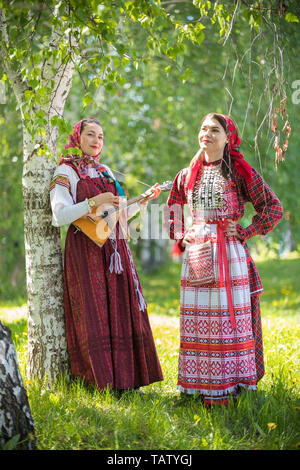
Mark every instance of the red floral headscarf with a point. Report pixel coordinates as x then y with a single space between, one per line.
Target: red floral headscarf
241 166
82 162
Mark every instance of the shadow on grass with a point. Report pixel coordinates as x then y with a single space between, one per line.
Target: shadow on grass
74 415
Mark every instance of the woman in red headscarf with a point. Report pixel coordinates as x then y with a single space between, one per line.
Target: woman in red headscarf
221 350
109 338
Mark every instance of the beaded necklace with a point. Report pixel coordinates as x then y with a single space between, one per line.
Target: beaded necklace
209 188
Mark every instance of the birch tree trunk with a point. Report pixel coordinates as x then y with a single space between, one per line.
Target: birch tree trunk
47 348
16 423
47 351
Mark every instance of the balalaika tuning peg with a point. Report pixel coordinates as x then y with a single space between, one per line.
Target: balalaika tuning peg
166 186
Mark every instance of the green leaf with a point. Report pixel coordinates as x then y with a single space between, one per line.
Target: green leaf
28 94
40 114
34 83
291 18
87 99
186 75
54 120
96 82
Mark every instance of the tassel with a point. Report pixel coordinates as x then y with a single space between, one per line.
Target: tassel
141 300
115 263
140 297
115 258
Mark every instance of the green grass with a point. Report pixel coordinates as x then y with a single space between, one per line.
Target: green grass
74 416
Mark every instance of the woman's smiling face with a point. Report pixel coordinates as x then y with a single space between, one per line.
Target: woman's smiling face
212 137
91 139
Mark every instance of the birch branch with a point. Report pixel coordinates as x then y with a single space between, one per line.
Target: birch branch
17 83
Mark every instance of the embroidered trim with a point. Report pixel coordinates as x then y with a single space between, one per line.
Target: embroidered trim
61 181
216 393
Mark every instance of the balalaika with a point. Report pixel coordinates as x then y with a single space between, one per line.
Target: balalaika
99 224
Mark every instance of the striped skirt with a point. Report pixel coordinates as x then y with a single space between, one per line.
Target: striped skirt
215 359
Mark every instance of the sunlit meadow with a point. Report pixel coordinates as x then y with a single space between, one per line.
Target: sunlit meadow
73 416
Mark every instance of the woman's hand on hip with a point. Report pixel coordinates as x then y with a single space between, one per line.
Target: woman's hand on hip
231 230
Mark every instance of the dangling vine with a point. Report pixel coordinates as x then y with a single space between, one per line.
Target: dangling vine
280 150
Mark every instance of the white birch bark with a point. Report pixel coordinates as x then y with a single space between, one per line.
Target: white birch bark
15 415
47 354
47 348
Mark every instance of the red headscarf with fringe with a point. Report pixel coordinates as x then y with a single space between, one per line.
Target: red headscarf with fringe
241 166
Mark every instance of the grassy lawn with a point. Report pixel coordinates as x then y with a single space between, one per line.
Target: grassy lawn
73 416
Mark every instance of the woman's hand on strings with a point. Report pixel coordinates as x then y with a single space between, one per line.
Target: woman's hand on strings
106 198
151 193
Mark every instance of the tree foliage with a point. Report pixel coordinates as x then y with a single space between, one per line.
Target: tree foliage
149 70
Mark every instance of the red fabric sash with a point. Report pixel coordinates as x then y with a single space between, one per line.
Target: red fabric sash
221 226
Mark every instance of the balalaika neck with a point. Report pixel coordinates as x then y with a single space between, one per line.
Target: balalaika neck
122 205
166 186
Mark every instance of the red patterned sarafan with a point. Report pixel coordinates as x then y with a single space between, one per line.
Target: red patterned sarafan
109 337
